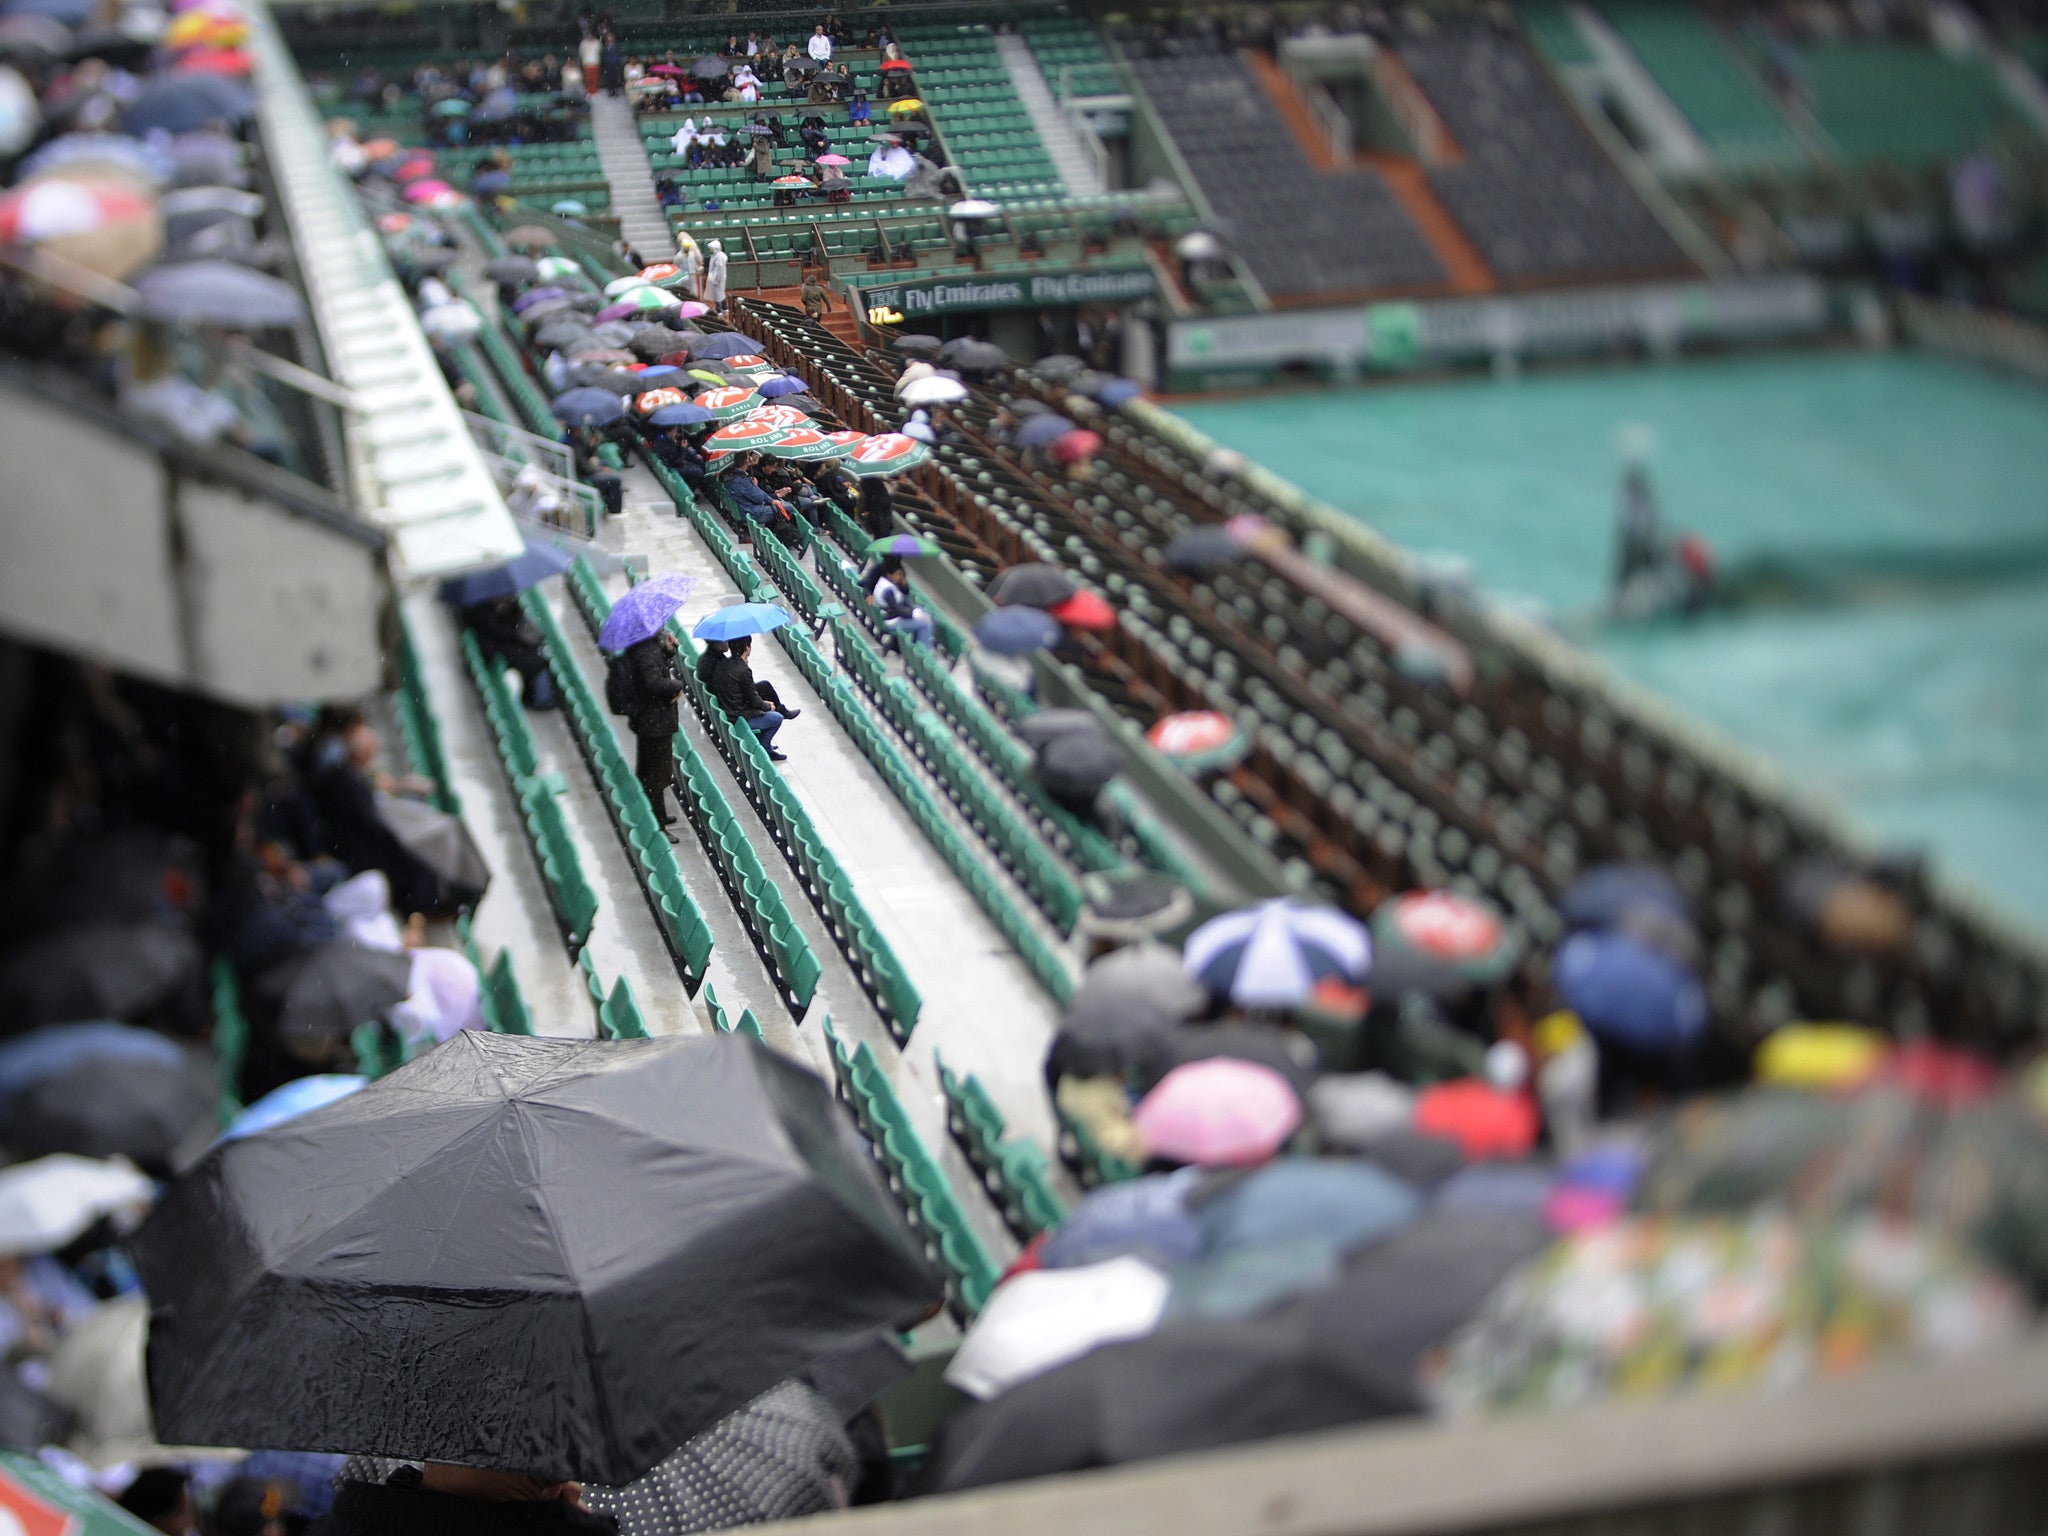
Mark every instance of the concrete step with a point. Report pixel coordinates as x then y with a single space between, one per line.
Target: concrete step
1063 145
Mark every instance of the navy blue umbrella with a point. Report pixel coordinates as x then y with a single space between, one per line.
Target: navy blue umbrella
1629 991
682 416
182 103
1017 631
1605 894
725 344
536 565
1042 431
788 384
588 407
72 13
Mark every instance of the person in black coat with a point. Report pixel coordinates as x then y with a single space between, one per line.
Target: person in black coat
461 1501
741 696
503 630
652 685
341 763
584 443
877 507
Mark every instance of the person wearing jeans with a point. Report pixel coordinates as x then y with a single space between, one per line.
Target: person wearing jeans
891 594
756 703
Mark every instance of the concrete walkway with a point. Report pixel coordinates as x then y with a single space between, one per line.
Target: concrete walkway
624 159
1063 145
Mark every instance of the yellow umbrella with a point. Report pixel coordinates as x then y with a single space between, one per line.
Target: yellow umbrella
905 107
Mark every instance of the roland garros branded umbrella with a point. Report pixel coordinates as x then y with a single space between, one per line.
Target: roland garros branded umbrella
888 453
728 402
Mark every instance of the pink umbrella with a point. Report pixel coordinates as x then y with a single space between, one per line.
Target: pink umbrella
833 160
616 312
1075 446
690 309
426 191
1220 1112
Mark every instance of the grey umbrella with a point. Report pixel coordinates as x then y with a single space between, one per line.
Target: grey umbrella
512 269
1034 584
613 333
1078 766
152 1112
331 988
710 67
1049 725
218 293
94 971
917 344
560 331
605 377
441 842
652 341
477 1257
1058 366
978 358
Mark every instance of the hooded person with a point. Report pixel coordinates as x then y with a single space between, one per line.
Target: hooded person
714 276
924 179
693 266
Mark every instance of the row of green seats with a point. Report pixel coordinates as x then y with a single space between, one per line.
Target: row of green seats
1014 1173
725 1024
682 922
1051 887
419 731
843 576
915 1177
526 395
965 858
569 892
882 976
503 1004
618 1015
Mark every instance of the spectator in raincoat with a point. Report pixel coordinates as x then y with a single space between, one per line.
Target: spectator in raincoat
714 276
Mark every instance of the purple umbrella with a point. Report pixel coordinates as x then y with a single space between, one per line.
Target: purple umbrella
642 611
617 311
1041 431
725 344
788 384
527 300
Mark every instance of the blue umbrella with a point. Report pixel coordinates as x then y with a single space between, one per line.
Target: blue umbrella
537 564
642 611
116 148
218 293
300 1096
1345 1203
659 374
1017 631
1148 1217
1272 955
73 13
1043 431
1605 894
788 384
686 415
491 183
724 344
1629 991
58 1048
1119 392
589 407
181 103
534 296
736 620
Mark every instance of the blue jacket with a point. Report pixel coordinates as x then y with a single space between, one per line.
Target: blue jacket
750 498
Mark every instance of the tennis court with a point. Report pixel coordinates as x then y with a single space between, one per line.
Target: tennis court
1890 508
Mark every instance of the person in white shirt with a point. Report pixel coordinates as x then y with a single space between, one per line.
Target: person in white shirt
820 46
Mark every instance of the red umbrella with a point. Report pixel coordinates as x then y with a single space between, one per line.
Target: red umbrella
1194 733
1075 446
1483 1120
414 168
896 64
214 61
1085 610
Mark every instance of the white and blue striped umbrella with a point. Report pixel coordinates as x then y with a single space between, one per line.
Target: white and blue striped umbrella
1272 955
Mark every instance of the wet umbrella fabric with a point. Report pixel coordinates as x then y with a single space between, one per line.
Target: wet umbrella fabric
331 988
94 971
1203 551
644 610
1042 431
47 1203
1033 584
588 407
152 1114
218 293
738 620
917 344
1016 631
1273 954
512 269
725 344
57 1048
1049 725
476 1258
441 842
1078 765
528 569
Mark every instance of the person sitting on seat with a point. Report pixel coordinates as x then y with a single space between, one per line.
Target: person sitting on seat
758 506
858 111
890 593
504 631
733 683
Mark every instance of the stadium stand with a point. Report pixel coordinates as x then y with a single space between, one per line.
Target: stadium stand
1706 78
1536 195
1303 234
1071 55
1901 101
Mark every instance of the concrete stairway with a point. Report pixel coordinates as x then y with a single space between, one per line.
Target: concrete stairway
624 159
1069 156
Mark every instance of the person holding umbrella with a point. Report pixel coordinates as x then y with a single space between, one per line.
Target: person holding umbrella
745 698
890 593
488 602
584 443
651 688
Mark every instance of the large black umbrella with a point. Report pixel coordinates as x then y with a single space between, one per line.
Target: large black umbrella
1049 725
1203 551
1033 584
917 344
331 988
560 1257
561 330
1076 766
439 841
146 1110
1060 365
93 971
710 67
